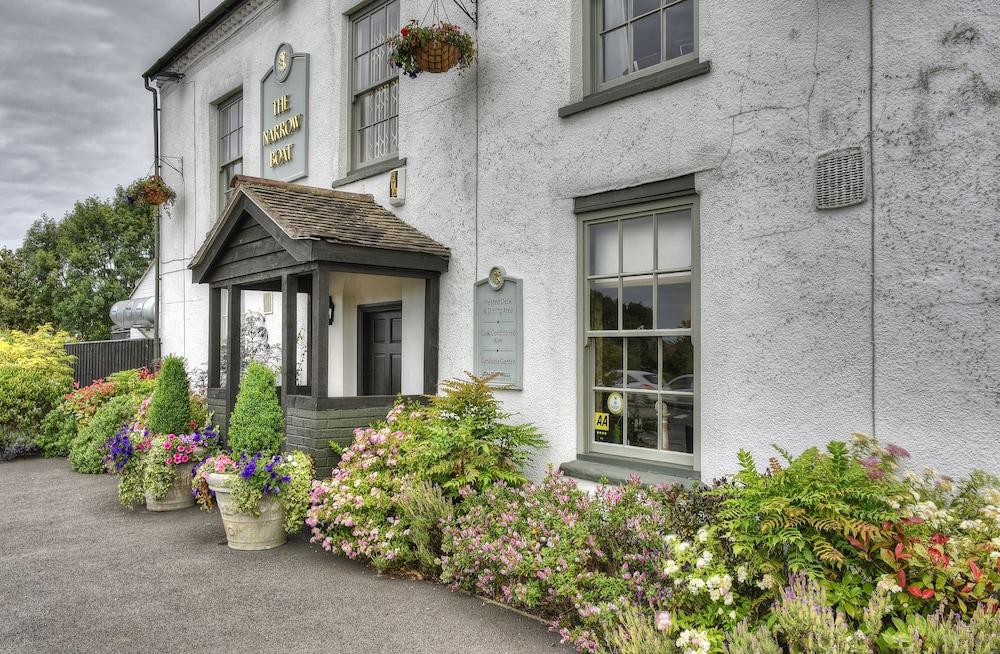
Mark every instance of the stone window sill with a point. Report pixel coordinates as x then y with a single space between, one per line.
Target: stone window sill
369 171
658 80
595 467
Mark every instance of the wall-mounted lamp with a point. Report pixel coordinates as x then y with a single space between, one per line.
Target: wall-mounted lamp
332 309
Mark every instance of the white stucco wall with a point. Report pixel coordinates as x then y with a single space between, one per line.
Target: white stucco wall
785 324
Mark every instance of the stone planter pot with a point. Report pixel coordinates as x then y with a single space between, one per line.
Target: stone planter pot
178 495
246 532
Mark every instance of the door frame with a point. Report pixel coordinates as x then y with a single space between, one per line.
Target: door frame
362 348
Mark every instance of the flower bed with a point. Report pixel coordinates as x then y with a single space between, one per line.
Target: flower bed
835 550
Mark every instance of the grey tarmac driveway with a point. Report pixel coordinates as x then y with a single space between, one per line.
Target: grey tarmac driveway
79 573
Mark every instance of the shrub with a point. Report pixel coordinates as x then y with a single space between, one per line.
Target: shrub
170 411
463 439
86 451
58 430
84 402
424 510
806 516
35 373
257 424
165 453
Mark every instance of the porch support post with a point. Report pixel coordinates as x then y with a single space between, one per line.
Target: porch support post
319 360
289 331
214 336
233 351
432 307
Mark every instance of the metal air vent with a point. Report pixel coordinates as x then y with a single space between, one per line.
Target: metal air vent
840 178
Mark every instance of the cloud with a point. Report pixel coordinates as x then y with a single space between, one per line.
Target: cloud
75 120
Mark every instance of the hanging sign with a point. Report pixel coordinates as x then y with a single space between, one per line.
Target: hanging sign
284 116
499 341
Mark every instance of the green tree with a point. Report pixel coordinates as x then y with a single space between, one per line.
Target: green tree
14 294
170 410
77 267
257 424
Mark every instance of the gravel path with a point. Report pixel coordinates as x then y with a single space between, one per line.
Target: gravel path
78 573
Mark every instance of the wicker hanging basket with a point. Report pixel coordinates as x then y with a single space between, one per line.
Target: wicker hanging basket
437 57
153 192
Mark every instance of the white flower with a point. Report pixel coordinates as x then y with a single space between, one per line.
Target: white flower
670 567
767 581
703 535
742 574
694 642
696 584
683 545
888 584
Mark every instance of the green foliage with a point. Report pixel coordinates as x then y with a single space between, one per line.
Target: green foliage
286 478
462 438
69 272
805 516
35 373
633 631
86 450
423 512
58 430
294 496
257 423
170 411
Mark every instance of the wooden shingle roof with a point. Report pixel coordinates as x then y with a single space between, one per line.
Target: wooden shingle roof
305 213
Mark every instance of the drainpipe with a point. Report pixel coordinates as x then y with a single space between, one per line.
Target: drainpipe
156 227
871 165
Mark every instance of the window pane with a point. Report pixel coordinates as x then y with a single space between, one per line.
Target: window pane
378 27
607 425
604 248
362 36
680 29
642 363
673 247
637 302
673 302
640 7
616 61
302 339
223 336
392 18
637 245
604 304
677 370
677 418
614 13
642 420
608 357
361 72
646 41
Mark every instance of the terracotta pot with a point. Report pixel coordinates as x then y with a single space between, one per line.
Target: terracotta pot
437 57
178 495
247 532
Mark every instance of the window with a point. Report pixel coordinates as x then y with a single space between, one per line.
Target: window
635 37
637 281
375 85
230 145
267 302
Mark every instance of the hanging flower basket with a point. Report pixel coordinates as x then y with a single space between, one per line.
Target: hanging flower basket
151 191
431 49
155 191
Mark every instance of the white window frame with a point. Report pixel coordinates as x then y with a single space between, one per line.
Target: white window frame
225 161
357 95
585 382
594 55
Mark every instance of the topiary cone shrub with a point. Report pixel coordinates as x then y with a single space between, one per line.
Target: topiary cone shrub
170 410
257 423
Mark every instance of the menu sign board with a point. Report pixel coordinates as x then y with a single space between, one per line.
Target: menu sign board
499 341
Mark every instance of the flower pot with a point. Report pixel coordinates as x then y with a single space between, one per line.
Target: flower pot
437 57
178 495
247 532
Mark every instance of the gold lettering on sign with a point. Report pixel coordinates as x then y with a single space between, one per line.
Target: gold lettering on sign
280 105
283 129
282 155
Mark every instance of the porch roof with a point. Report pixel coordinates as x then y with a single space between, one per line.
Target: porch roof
315 224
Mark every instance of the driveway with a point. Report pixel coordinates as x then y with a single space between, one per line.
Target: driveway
78 573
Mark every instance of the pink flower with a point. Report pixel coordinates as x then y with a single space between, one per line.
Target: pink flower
663 621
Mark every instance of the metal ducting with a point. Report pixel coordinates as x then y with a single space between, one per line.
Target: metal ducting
138 312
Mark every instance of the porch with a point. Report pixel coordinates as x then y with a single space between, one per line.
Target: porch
331 289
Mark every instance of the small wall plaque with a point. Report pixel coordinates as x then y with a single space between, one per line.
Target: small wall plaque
499 338
397 187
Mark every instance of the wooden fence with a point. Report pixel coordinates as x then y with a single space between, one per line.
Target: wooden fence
98 359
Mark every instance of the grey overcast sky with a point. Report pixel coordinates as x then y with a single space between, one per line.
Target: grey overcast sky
75 120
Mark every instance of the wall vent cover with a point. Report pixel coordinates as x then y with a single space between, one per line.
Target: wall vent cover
840 178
